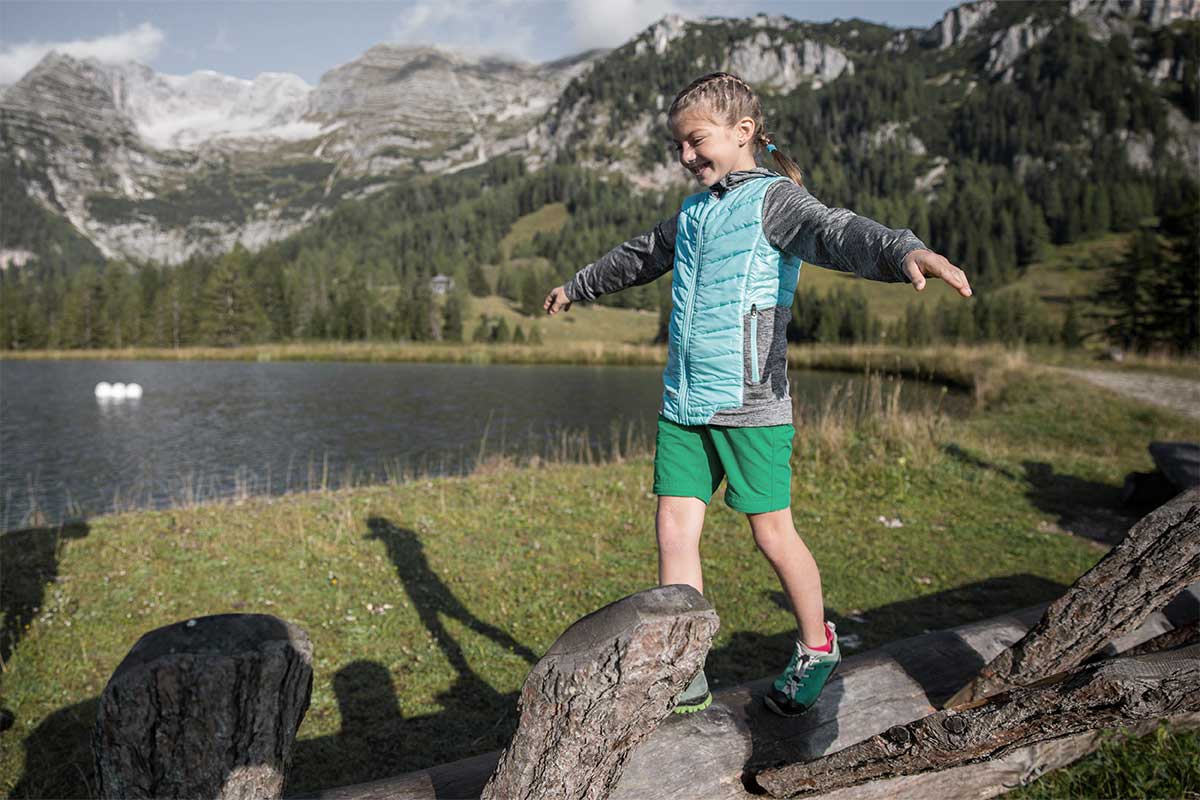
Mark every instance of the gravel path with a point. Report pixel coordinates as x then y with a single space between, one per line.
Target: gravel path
1179 394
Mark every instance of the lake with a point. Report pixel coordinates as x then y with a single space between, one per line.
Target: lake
214 429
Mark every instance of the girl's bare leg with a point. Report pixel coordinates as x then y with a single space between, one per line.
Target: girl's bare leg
776 537
677 524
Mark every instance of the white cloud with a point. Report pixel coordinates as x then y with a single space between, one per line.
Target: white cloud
522 28
137 44
611 23
503 27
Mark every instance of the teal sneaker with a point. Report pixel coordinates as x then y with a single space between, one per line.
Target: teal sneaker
795 691
695 697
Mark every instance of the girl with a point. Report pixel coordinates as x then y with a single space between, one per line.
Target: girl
736 249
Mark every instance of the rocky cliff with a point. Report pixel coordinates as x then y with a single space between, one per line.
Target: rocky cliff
152 166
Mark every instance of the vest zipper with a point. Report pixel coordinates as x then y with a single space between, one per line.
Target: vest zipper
691 305
754 343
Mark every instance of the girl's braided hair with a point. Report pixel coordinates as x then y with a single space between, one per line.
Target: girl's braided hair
726 98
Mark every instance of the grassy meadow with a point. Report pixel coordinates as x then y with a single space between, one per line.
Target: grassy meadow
428 600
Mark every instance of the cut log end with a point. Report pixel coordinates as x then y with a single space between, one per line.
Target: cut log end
605 685
207 707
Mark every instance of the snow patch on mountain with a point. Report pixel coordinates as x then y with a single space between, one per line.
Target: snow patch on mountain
185 111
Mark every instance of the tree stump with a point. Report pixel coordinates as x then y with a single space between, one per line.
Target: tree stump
204 708
605 685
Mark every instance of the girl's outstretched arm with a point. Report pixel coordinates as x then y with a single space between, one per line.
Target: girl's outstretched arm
801 225
632 263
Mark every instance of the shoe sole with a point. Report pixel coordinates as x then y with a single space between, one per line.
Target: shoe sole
769 703
692 708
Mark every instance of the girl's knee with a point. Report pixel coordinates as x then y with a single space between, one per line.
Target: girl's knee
770 534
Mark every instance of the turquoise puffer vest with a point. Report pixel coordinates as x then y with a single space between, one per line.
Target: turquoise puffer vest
725 270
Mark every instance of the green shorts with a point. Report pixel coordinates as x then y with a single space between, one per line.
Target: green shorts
691 460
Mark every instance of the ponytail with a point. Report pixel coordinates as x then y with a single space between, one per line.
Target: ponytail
786 165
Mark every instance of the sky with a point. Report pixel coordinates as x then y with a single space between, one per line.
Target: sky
310 37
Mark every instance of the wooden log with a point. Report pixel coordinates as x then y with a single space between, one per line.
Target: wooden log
1158 557
208 707
1001 774
601 688
1102 695
707 756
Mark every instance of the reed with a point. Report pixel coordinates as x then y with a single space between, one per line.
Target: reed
589 353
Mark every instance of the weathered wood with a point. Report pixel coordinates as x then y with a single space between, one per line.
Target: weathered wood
1001 774
1158 557
605 685
1103 695
705 756
208 707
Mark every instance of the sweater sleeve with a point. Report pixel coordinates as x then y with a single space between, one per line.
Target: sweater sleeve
632 263
801 225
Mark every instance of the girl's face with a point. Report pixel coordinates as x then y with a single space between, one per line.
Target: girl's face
710 150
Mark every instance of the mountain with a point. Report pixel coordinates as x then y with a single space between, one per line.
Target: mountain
158 167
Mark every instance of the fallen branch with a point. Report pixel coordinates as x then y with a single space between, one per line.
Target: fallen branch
1114 692
1159 556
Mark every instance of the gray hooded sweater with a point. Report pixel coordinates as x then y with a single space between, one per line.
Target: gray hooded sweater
793 221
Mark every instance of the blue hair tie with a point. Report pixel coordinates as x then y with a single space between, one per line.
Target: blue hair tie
770 148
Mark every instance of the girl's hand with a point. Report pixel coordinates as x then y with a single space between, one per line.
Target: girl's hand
557 301
919 263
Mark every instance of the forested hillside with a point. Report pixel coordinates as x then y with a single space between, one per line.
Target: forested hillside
1077 137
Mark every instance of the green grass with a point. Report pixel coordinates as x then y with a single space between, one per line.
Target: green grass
1160 764
547 219
428 601
583 324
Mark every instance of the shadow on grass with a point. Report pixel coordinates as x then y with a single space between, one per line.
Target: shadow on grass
58 754
1081 507
376 739
1086 508
28 561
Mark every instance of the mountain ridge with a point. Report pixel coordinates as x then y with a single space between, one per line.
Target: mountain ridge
119 152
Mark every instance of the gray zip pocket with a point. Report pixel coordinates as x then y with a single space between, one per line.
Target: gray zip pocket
754 343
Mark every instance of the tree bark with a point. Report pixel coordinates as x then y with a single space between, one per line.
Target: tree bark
605 685
708 756
204 708
1158 557
1102 695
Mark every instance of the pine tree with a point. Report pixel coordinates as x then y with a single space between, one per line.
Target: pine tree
1071 334
230 313
452 319
533 292
1127 292
477 283
501 334
483 331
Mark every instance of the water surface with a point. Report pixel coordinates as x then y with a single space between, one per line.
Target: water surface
211 429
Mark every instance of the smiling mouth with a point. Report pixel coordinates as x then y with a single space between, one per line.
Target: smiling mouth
697 169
